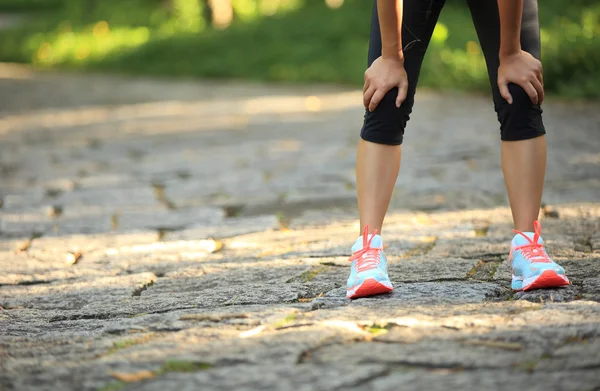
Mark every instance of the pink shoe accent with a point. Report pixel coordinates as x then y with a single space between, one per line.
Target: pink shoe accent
534 251
369 287
368 257
548 279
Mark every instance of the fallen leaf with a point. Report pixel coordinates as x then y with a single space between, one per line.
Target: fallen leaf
218 246
73 258
16 307
159 191
212 317
55 211
24 246
115 221
495 344
134 376
550 212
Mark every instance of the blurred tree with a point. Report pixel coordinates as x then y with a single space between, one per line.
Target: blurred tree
221 13
188 14
194 13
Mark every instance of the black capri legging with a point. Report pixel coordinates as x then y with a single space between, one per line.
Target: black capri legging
520 120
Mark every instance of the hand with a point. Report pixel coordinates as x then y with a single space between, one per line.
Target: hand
383 75
524 70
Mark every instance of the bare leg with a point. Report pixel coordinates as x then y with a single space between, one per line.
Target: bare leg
377 167
524 167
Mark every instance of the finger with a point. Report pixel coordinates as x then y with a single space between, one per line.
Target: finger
539 89
402 90
368 95
376 98
530 90
366 86
503 86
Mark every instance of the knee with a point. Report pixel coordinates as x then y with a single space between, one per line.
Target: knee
386 124
520 120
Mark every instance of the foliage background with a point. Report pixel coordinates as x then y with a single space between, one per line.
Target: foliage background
280 40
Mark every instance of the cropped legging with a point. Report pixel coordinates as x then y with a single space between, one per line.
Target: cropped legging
520 120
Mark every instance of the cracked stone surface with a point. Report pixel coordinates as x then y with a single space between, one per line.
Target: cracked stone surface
163 235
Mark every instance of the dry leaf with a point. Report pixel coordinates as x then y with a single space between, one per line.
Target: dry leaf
115 221
134 376
212 317
218 246
159 191
24 246
550 212
210 245
55 211
73 258
495 344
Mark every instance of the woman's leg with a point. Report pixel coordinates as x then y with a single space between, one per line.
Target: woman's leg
524 168
523 150
377 167
379 150
522 130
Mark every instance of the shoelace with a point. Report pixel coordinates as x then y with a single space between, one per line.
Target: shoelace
367 257
534 251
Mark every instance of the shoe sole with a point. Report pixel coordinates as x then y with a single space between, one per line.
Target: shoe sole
548 279
370 287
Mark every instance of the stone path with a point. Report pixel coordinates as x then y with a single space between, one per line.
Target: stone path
179 235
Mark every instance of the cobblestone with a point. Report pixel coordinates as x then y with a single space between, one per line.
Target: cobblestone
164 235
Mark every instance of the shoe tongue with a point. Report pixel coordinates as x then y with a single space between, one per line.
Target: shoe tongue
519 240
377 242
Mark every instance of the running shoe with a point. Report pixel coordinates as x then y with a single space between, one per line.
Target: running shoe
531 265
368 275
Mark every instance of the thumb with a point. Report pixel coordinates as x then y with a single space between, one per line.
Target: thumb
503 86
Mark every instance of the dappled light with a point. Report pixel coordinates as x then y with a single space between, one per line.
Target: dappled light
82 47
164 226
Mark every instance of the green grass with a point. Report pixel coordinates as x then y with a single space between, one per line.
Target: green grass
285 321
123 345
184 366
376 330
310 274
114 386
168 366
294 41
127 343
